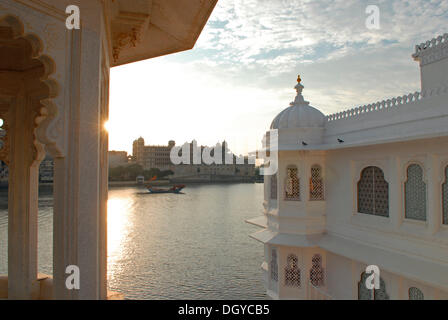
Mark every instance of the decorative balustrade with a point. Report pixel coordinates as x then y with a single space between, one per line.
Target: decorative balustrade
430 44
387 104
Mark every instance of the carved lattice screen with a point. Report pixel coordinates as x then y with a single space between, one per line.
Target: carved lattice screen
445 197
292 188
416 294
317 271
373 192
292 271
316 184
415 194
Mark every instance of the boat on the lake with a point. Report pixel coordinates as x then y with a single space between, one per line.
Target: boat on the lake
174 189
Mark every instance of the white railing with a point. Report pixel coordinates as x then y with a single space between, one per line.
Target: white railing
386 104
315 293
430 44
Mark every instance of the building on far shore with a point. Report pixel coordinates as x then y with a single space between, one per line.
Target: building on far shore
118 158
45 171
4 174
235 167
152 156
46 167
159 157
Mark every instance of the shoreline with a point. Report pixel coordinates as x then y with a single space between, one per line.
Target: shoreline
181 181
112 184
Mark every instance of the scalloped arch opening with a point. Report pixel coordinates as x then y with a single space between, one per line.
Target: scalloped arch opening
25 70
22 52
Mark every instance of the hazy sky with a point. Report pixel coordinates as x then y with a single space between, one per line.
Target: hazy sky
242 71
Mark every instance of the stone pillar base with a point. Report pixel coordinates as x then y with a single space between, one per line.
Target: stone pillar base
43 289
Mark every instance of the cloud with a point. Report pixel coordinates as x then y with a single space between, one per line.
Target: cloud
246 60
266 42
242 29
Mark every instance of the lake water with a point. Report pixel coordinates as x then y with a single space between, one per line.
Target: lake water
166 246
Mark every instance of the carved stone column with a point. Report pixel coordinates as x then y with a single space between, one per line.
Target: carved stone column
24 161
80 176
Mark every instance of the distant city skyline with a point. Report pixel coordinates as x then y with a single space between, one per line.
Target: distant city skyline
173 143
242 71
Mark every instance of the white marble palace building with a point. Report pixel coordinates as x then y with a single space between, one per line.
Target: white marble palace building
366 186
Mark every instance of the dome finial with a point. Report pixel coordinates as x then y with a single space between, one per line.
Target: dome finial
299 114
299 98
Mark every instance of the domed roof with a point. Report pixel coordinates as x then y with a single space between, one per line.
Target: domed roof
299 114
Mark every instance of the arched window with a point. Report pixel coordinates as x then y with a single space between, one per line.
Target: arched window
445 197
317 271
292 271
274 186
415 193
316 183
292 188
274 265
416 294
366 294
373 192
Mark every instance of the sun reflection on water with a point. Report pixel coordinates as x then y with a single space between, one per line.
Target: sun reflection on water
187 246
119 225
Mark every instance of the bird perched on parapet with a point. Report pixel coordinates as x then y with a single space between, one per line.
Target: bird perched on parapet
304 143
340 140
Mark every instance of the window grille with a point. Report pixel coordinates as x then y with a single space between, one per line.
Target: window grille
366 294
317 271
363 292
416 294
373 192
292 272
316 184
274 265
292 188
274 187
415 194
445 198
381 294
